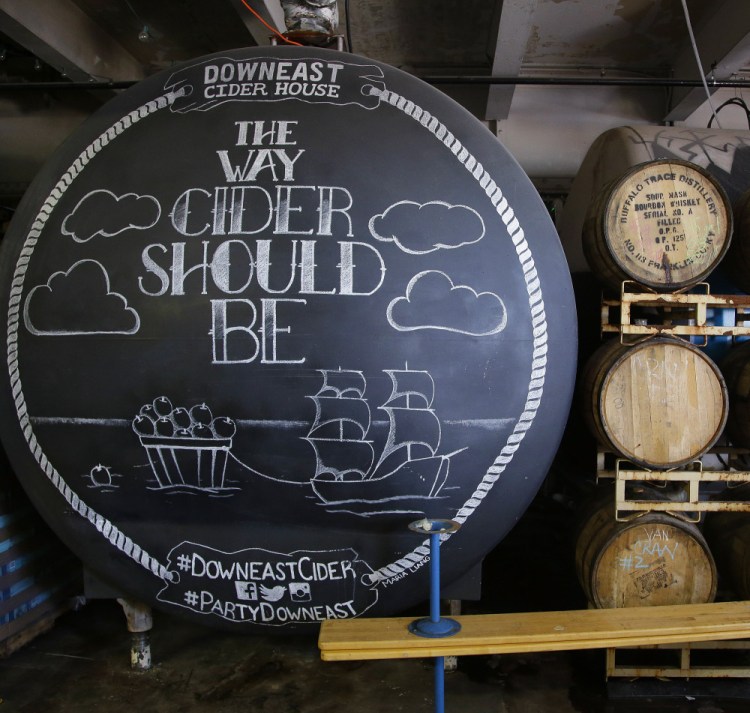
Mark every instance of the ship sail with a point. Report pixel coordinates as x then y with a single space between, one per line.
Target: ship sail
342 382
337 460
414 428
338 434
411 388
340 417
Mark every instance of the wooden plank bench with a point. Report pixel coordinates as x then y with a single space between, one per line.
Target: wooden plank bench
389 638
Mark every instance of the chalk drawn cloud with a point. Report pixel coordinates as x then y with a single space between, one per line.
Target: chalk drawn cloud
103 213
432 301
420 228
79 301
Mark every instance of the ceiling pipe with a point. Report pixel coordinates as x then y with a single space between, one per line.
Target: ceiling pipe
443 79
585 81
57 86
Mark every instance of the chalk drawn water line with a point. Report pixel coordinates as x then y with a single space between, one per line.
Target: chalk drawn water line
493 425
488 424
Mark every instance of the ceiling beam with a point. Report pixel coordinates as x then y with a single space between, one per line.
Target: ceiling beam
60 34
507 47
723 44
271 12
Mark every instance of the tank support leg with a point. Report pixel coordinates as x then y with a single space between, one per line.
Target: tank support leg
140 623
454 609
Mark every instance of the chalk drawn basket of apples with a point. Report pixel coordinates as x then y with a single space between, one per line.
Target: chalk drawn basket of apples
185 446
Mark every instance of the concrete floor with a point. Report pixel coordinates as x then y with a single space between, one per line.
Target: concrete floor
82 666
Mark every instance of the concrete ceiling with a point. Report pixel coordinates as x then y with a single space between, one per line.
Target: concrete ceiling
547 128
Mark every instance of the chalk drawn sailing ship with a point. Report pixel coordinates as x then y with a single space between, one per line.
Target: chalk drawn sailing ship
409 465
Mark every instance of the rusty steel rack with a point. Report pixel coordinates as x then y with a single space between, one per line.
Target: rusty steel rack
689 486
640 313
699 659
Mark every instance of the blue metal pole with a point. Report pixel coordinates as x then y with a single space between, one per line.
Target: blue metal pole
435 577
435 617
435 627
439 684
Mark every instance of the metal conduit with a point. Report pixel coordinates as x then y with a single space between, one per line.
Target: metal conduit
441 79
586 81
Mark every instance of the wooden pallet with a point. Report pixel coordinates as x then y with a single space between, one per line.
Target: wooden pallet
642 314
389 638
703 659
20 632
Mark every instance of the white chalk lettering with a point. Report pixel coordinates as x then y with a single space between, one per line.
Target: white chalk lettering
251 209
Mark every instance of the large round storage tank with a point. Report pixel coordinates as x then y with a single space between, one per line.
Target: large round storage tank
264 310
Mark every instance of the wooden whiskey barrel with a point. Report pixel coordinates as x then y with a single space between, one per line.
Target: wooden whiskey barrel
664 224
660 403
652 560
736 370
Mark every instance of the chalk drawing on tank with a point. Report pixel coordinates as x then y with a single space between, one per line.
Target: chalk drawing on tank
409 465
433 301
102 478
397 108
273 594
50 309
421 228
268 587
218 80
101 212
187 449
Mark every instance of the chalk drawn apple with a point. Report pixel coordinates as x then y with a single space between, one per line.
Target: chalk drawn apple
162 406
100 475
181 418
147 410
223 427
165 427
201 414
201 430
144 426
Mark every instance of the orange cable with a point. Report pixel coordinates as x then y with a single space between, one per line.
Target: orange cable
275 31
